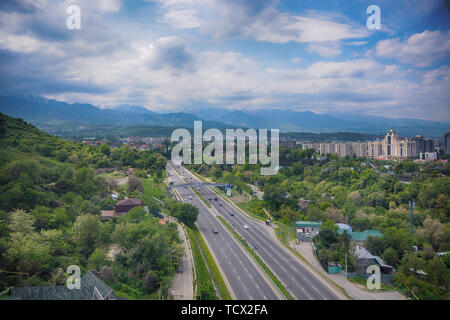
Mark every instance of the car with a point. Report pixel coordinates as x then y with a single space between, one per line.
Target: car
209 199
190 197
220 204
215 231
231 214
246 227
215 199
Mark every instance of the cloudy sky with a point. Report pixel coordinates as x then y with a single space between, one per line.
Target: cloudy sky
239 54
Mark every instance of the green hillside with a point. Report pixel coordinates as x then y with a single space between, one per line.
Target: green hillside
51 194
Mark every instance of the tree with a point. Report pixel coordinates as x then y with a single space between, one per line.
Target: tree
135 215
437 272
27 254
104 148
186 213
390 257
87 233
21 221
375 245
122 236
59 217
432 231
98 259
134 183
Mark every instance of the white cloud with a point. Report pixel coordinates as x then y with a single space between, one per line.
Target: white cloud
109 5
326 49
420 50
183 18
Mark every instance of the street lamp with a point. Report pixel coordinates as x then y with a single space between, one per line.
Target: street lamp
168 273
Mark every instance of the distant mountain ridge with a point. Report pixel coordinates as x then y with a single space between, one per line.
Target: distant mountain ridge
307 121
39 110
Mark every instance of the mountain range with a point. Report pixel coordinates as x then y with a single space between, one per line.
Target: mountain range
40 110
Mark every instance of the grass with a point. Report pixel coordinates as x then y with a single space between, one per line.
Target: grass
153 190
202 275
213 269
251 211
206 203
285 233
266 269
363 281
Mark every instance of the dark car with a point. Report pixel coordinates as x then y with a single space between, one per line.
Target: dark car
214 231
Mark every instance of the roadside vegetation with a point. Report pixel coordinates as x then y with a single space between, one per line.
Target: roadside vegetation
366 194
51 193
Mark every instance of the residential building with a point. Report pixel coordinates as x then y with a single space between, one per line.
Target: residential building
311 227
91 288
447 143
122 207
365 259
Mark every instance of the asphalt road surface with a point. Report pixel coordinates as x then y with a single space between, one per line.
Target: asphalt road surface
302 284
245 279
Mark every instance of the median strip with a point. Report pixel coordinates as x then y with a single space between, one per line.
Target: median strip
199 195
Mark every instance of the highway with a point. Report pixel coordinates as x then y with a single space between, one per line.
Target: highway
299 280
246 280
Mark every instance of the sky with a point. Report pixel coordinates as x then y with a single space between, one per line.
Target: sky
170 55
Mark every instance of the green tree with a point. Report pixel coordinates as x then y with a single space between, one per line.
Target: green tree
87 233
98 259
437 272
27 254
135 215
21 221
186 213
104 148
390 257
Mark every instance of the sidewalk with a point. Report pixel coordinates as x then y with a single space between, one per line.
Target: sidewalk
182 284
355 291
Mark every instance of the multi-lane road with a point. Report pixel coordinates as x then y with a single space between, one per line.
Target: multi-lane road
295 276
246 280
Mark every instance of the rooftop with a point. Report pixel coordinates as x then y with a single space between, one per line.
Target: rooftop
362 236
312 224
129 201
89 284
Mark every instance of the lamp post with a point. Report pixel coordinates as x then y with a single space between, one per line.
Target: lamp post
168 273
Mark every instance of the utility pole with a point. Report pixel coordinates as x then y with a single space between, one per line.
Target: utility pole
411 215
346 273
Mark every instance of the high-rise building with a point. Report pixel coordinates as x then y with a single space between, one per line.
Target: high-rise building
429 145
447 143
395 147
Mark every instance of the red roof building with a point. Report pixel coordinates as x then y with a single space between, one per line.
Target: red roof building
122 207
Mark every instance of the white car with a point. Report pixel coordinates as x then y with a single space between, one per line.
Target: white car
190 197
246 227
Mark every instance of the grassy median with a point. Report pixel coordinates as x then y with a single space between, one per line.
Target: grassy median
207 272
